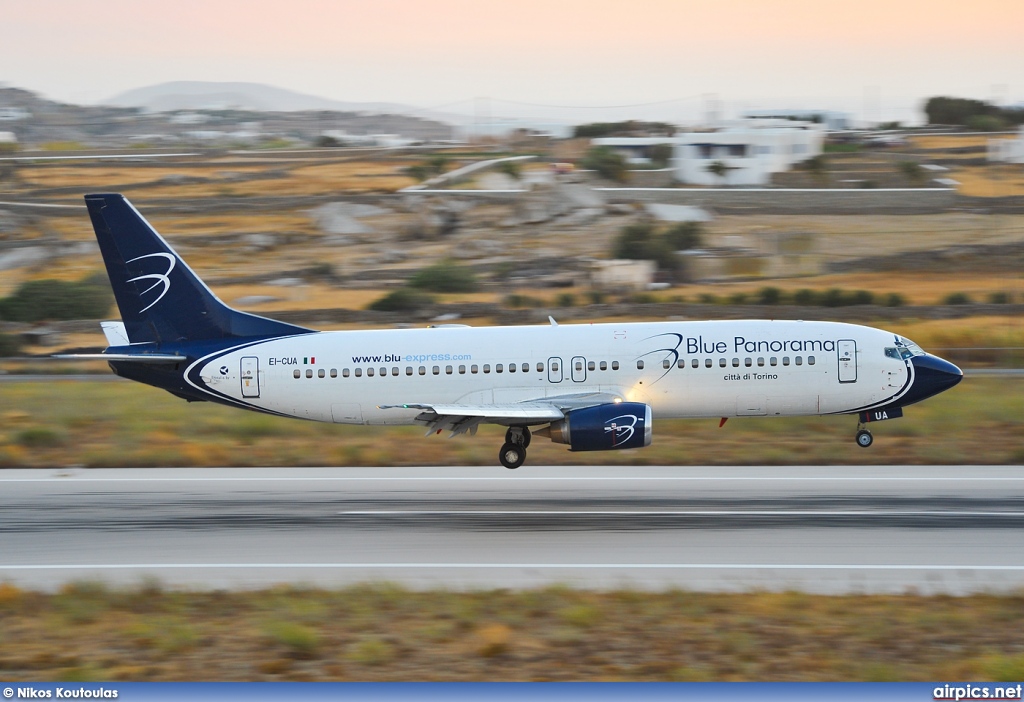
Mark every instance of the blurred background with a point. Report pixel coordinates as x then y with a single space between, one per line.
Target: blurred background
378 164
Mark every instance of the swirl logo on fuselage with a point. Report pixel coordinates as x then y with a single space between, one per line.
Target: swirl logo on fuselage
160 278
621 433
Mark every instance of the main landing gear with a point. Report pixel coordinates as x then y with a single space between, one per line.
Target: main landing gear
864 438
513 451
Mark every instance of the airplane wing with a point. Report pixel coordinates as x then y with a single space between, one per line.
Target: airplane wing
465 418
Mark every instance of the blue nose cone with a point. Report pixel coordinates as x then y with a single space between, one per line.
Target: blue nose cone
932 375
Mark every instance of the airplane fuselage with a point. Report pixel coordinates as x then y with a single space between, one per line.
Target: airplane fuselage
680 369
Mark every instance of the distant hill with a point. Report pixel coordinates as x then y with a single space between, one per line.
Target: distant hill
203 95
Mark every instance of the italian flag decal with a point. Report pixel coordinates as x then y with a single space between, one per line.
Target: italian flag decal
309 361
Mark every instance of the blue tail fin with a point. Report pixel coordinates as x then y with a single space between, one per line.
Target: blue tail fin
160 298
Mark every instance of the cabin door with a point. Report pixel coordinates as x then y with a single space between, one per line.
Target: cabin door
250 376
847 350
579 369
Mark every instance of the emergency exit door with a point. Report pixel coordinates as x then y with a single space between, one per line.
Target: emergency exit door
250 376
847 350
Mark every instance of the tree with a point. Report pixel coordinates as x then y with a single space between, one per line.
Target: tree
718 168
606 162
445 277
509 168
912 171
660 155
327 142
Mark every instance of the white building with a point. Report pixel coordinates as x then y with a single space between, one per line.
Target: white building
1007 150
749 151
833 121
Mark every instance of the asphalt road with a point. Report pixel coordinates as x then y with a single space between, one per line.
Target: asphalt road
951 529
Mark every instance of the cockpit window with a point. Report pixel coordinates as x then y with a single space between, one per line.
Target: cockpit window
908 348
892 352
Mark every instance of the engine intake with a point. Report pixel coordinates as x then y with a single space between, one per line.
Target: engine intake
623 425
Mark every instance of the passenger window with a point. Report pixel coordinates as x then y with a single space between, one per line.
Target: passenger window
498 368
799 360
554 366
474 368
785 360
760 361
359 372
773 360
639 365
383 372
591 365
423 370
615 365
735 363
344 373
487 368
408 370
722 363
604 365
511 367
748 361
321 373
334 372
462 370
526 367
695 363
681 363
810 360
708 362
296 373
394 370
436 370
448 370
666 364
309 372
369 372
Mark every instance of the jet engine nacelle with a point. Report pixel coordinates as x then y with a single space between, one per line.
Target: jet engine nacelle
622 425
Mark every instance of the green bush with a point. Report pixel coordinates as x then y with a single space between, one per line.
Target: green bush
769 296
739 298
999 298
606 162
862 297
708 299
566 300
596 297
642 241
402 300
894 300
445 277
957 298
517 300
805 297
49 300
10 345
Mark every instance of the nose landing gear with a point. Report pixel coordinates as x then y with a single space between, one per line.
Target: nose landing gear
513 451
864 438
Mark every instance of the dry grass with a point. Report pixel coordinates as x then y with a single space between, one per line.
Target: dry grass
990 181
60 423
954 141
382 632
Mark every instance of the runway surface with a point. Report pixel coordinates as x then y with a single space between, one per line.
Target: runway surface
950 529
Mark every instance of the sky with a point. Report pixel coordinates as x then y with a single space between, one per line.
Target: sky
878 59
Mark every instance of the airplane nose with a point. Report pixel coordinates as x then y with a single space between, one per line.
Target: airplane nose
932 375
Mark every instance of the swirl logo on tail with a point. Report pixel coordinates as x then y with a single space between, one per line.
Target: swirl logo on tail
160 278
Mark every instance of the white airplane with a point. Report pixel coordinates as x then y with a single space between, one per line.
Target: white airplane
591 386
